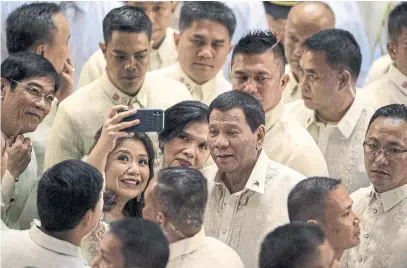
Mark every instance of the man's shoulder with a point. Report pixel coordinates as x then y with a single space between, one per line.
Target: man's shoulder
166 72
209 172
226 256
166 87
81 97
282 174
361 193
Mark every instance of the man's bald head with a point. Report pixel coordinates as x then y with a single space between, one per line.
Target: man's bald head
304 20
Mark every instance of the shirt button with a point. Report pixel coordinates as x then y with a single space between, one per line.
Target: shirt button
375 210
360 259
366 235
223 231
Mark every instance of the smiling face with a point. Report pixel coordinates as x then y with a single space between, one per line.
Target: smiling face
233 145
189 148
387 173
127 58
263 73
202 49
341 224
21 109
127 170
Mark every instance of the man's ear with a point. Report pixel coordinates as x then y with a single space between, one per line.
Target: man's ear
161 220
40 50
313 222
392 49
177 37
103 48
261 133
4 84
345 79
284 82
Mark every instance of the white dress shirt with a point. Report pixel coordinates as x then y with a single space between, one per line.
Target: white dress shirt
290 144
379 68
205 93
201 251
383 237
243 219
34 248
391 88
162 57
84 112
341 143
16 194
292 91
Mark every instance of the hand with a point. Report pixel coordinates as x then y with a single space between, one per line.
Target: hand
67 86
19 155
112 129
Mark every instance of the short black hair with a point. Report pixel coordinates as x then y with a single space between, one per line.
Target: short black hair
180 115
258 42
66 192
291 245
207 10
340 47
143 242
182 193
397 21
133 208
397 111
30 23
251 107
23 65
128 19
306 200
279 10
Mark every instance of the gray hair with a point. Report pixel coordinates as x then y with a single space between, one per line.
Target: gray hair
182 193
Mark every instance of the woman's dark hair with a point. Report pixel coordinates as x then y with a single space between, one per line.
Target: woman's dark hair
180 115
133 207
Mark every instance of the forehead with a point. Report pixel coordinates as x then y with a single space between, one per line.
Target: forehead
232 116
266 62
315 59
111 245
209 29
132 145
306 20
197 129
129 42
388 130
338 200
146 4
45 83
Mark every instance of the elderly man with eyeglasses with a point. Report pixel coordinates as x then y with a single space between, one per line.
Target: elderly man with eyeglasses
29 83
382 207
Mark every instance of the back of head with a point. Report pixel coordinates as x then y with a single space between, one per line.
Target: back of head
144 244
395 111
23 65
30 24
207 10
128 19
251 107
180 115
66 192
340 48
182 193
291 245
306 200
397 21
259 42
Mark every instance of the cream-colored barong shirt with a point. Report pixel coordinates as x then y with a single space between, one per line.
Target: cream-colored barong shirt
201 251
34 248
290 144
162 57
341 143
383 237
391 88
243 219
378 69
292 91
84 112
205 93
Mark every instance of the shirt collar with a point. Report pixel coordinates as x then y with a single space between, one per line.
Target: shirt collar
390 198
166 46
51 243
118 97
257 177
187 245
348 122
398 78
206 90
274 114
293 83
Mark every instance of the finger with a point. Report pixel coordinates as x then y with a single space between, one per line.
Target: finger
124 125
10 141
68 68
19 140
27 142
120 116
115 109
123 134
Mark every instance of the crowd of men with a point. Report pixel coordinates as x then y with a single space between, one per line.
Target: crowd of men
283 161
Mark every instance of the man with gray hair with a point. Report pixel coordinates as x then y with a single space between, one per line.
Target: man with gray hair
176 200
